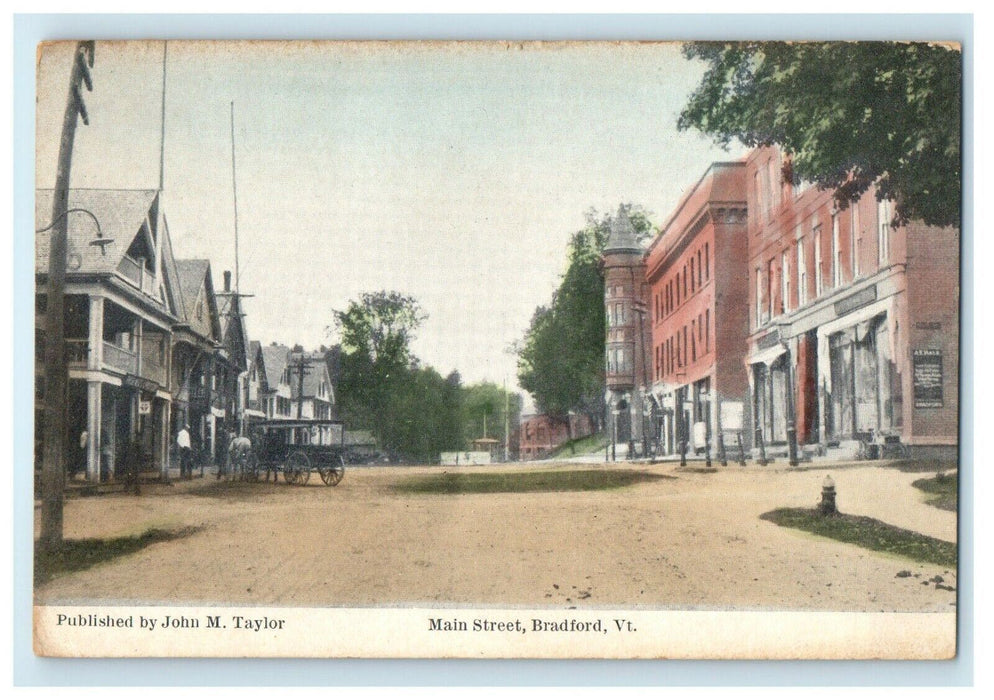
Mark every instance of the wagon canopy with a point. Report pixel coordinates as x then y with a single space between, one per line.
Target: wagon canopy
306 432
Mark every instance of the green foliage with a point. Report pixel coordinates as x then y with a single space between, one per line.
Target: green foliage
848 114
561 359
527 482
867 533
580 446
488 399
412 410
942 490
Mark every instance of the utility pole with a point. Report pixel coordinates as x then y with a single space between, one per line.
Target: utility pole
301 366
53 470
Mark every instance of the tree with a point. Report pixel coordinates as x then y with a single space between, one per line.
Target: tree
487 399
847 114
375 332
561 359
412 410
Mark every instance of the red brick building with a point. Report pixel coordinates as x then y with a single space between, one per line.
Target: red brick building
539 434
853 324
696 292
628 337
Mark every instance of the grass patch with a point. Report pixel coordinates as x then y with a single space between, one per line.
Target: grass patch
580 446
78 555
527 482
942 490
867 533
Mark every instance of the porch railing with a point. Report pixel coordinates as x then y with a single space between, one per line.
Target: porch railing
131 270
153 369
119 358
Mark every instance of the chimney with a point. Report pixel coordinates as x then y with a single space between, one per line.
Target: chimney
227 280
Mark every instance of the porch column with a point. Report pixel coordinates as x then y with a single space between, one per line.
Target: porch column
166 437
93 423
95 357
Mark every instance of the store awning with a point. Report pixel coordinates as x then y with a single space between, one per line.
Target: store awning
767 356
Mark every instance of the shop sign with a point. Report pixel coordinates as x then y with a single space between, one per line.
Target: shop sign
145 407
731 415
856 301
768 340
927 375
133 381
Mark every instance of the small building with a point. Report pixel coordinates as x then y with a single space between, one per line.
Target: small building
539 434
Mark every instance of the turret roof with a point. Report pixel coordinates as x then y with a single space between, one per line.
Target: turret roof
622 238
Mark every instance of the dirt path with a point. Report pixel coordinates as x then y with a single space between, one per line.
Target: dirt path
694 541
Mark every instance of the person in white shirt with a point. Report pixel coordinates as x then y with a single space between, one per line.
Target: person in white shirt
185 454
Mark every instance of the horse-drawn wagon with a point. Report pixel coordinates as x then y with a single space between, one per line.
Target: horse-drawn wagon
297 448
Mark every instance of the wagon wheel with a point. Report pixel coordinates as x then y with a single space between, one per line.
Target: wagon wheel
297 469
333 473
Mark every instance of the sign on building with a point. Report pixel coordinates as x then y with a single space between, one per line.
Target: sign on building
731 415
145 407
927 376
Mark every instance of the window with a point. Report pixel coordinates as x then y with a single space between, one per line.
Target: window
816 234
693 340
854 239
802 274
764 192
707 330
784 282
836 253
769 287
759 298
883 232
685 281
693 277
678 289
775 179
707 261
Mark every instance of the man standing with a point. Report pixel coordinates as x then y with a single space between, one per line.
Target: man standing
183 442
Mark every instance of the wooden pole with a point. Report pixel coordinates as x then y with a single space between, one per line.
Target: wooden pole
53 471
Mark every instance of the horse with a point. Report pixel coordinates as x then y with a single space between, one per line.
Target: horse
239 450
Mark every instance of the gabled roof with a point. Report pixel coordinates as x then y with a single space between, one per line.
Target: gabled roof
233 332
195 275
121 214
275 359
317 373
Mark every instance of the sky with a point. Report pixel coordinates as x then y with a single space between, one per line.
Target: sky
454 173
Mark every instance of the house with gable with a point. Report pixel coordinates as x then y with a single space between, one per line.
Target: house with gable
275 392
255 385
121 307
200 365
234 358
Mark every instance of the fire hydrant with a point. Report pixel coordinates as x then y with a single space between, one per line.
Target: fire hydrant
827 505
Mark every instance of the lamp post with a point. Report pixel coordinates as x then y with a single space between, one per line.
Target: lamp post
789 400
639 308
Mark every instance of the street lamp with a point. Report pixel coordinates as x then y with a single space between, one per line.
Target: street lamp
639 308
789 399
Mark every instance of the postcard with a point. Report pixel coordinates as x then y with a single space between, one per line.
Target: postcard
486 349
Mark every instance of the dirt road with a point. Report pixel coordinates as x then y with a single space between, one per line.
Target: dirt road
693 541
